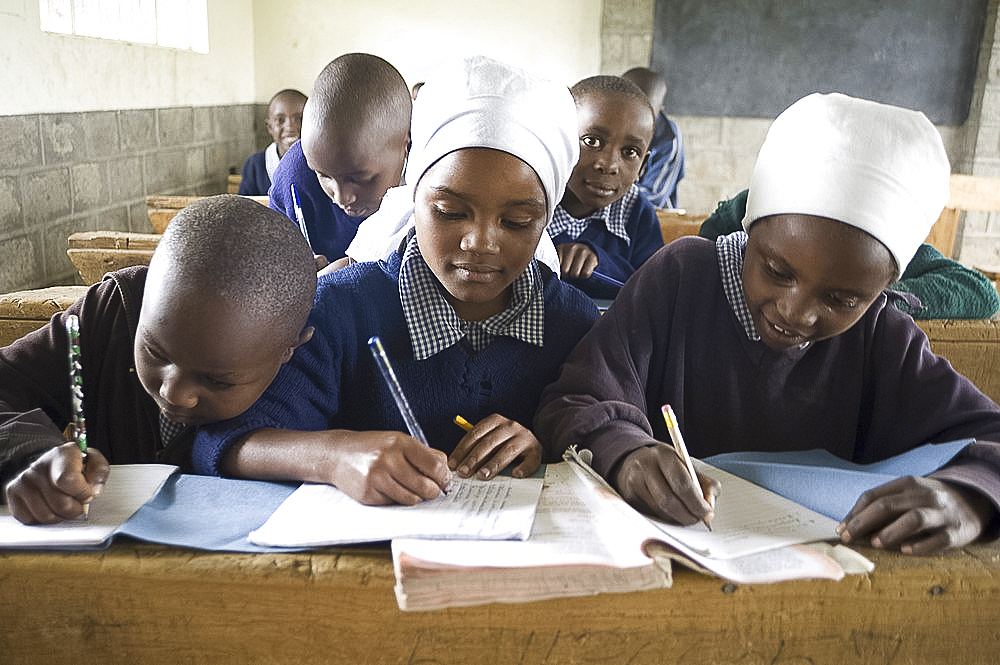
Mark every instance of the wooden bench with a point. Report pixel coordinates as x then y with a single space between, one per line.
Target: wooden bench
233 184
24 311
161 208
677 223
95 253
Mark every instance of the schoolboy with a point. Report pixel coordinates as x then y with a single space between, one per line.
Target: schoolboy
284 124
195 338
472 323
665 168
355 135
944 288
781 338
603 223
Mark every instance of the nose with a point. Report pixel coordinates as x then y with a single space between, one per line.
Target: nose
480 238
344 194
176 390
799 311
607 162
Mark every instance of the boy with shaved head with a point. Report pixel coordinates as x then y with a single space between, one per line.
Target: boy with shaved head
194 338
355 136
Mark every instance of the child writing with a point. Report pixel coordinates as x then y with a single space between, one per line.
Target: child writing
284 124
781 338
355 135
603 223
472 323
195 338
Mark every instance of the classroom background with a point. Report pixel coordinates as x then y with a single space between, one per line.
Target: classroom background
89 127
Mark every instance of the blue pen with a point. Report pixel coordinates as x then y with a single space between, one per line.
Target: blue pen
299 217
600 277
382 360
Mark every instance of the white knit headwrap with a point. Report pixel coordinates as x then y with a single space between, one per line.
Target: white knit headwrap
478 102
880 168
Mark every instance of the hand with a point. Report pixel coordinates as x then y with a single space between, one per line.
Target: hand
56 486
576 260
917 515
492 444
342 262
380 468
654 480
320 261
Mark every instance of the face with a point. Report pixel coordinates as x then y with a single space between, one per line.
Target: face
199 358
356 167
479 214
809 278
284 121
615 131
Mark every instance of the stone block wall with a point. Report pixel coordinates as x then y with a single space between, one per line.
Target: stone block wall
720 151
69 172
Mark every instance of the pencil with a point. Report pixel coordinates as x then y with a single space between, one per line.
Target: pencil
681 449
601 277
299 217
79 425
382 360
463 423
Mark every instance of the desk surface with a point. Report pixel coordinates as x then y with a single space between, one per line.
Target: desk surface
146 603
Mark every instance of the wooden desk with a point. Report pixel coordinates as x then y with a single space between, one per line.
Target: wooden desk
145 603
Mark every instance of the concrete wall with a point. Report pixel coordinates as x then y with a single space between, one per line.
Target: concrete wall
721 151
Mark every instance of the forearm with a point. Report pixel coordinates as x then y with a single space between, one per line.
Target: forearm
284 455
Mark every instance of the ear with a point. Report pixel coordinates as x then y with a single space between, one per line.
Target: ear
645 165
304 337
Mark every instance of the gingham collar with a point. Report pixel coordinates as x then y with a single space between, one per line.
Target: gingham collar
731 250
434 325
614 217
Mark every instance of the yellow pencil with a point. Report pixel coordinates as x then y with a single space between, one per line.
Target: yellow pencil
463 423
681 449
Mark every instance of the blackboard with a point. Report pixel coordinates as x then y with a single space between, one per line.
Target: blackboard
752 58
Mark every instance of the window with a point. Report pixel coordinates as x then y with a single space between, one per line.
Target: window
181 24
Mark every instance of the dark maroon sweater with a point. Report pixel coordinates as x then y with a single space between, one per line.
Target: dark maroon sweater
671 337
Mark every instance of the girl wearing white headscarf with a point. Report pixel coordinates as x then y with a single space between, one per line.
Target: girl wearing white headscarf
473 324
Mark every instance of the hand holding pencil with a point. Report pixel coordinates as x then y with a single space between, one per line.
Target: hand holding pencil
492 444
656 480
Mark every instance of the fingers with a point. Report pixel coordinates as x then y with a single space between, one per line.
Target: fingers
655 481
915 515
491 445
407 473
54 488
576 260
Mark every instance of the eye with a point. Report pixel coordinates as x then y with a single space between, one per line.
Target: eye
843 302
777 274
153 353
518 224
217 385
632 153
592 142
447 214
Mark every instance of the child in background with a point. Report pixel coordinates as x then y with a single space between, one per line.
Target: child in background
284 123
472 323
666 152
355 134
781 338
195 338
945 289
603 224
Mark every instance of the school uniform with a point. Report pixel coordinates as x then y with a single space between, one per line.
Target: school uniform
330 229
255 179
623 234
123 421
666 164
680 333
446 366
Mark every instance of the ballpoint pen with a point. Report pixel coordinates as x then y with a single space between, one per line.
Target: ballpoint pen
78 425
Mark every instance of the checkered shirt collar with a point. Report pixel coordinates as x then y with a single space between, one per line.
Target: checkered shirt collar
731 250
614 216
434 325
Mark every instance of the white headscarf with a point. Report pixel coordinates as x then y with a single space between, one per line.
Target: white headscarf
880 168
478 102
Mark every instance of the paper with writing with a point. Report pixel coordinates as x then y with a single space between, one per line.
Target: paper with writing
314 515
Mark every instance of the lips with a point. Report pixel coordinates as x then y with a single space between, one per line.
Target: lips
785 336
600 188
478 273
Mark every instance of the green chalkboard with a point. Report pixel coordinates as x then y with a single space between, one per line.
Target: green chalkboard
752 58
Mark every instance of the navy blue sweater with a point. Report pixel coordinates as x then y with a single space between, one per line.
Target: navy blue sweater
332 381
